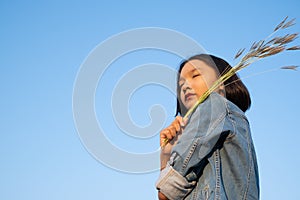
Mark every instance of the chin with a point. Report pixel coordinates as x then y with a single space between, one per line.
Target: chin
189 105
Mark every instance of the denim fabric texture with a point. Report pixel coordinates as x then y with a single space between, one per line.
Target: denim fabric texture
214 158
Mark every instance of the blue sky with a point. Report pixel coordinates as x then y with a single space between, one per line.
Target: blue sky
43 46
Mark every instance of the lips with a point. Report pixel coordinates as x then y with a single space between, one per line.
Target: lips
188 96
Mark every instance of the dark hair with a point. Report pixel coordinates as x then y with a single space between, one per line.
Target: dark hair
235 90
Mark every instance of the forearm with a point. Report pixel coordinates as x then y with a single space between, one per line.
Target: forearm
164 158
161 196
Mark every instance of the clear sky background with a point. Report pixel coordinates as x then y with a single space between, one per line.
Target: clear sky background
44 43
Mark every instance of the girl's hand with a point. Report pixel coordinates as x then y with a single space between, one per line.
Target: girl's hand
169 137
169 134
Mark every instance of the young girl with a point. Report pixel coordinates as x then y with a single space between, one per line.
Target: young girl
211 155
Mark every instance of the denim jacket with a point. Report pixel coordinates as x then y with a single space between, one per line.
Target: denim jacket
214 158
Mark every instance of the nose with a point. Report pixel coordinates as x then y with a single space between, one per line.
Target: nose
186 86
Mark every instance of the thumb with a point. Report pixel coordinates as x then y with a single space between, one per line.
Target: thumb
183 121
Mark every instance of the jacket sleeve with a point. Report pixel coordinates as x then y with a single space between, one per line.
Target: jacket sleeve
173 185
206 128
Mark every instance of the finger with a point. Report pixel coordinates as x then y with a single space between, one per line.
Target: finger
183 121
176 124
179 120
163 134
170 134
173 131
163 137
166 134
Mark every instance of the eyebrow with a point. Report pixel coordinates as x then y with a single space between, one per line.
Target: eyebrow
195 69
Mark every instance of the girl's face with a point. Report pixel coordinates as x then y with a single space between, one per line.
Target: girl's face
195 79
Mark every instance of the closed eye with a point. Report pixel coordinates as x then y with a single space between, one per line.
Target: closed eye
180 85
196 75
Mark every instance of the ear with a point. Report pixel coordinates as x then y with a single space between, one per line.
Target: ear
221 90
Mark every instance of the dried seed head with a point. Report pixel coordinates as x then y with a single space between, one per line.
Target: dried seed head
249 55
278 40
257 45
265 49
276 50
272 40
291 67
254 45
272 51
294 48
289 23
260 44
239 53
280 24
289 38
